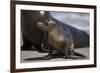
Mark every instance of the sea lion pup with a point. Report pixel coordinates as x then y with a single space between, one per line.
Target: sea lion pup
58 42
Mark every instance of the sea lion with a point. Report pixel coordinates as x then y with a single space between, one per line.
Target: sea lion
58 43
57 40
29 19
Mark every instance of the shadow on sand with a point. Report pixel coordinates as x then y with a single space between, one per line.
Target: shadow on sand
72 57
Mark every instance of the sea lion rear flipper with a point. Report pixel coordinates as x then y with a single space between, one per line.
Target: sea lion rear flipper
79 54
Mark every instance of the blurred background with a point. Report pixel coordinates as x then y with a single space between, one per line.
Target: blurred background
75 19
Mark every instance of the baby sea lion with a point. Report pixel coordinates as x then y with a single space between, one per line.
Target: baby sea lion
58 42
